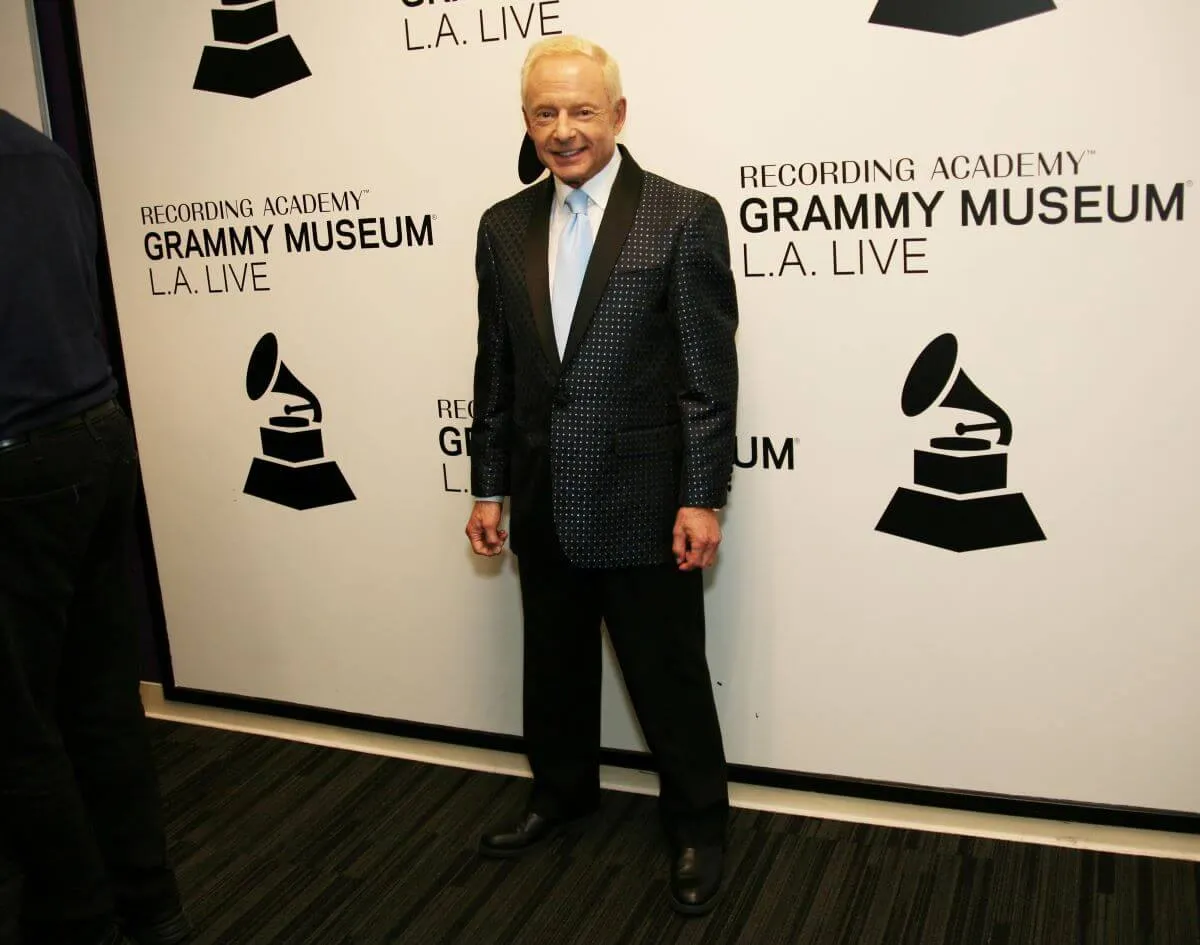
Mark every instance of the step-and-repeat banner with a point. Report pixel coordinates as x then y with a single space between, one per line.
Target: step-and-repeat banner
962 535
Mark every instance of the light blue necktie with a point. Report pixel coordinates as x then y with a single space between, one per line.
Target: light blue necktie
574 248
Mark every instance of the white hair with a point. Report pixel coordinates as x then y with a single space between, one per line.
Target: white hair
574 46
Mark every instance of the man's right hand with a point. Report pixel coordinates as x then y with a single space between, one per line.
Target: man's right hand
484 531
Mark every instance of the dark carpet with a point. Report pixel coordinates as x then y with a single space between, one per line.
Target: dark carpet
277 842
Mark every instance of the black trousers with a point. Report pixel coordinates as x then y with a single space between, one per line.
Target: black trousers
80 811
655 620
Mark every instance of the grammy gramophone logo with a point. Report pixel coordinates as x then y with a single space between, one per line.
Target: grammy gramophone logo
249 57
529 165
293 470
962 501
955 17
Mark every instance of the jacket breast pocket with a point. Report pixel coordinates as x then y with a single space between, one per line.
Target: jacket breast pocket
644 283
648 441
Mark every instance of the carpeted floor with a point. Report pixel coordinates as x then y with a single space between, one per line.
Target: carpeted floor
277 842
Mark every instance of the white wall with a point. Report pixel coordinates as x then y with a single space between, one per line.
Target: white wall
20 85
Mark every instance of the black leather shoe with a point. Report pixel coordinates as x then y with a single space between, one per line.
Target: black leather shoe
114 937
511 840
174 928
696 879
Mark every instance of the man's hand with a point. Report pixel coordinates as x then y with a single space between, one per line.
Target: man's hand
483 528
697 534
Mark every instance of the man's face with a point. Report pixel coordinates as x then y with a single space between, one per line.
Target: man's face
569 117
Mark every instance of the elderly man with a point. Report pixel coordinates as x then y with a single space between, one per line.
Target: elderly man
605 394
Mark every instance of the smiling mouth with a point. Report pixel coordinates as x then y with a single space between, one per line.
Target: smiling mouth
567 155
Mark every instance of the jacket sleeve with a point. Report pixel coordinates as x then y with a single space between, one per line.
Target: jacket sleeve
493 391
703 306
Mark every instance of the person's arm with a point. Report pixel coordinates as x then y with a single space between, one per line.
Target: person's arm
703 302
491 431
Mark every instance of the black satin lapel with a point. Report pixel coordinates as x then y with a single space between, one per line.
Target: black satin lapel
618 218
537 271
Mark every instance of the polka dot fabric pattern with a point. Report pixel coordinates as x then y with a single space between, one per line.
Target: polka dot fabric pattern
638 418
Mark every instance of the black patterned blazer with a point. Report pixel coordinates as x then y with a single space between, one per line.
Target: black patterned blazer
637 419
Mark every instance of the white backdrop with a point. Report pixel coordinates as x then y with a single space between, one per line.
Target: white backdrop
1062 668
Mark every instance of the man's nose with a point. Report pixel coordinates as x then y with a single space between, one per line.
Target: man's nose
563 128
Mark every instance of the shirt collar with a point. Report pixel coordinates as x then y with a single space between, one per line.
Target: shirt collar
598 188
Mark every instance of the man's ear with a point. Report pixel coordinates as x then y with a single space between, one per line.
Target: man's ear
619 110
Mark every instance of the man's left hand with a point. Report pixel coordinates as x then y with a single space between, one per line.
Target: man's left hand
696 536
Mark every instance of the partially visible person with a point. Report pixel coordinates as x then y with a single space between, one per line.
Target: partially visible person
80 809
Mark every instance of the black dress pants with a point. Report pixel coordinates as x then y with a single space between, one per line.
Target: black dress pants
80 811
655 620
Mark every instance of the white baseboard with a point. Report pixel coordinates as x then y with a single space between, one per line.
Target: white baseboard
800 803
